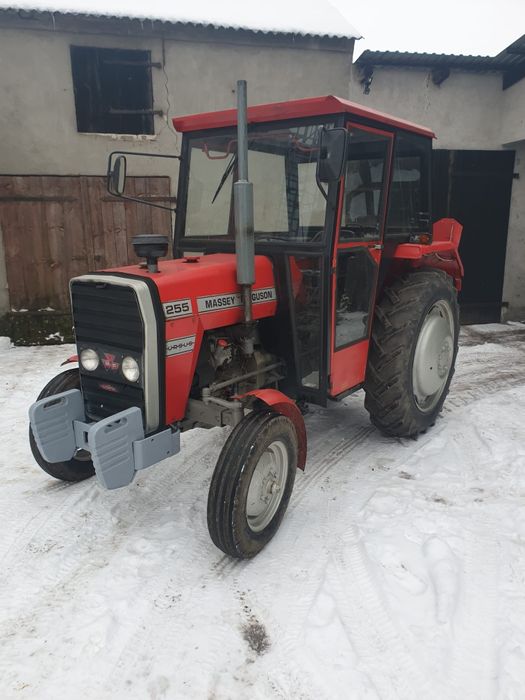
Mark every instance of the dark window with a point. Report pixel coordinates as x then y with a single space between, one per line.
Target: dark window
113 93
355 282
409 205
305 277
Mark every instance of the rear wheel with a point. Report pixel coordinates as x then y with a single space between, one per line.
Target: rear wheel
80 466
252 484
413 353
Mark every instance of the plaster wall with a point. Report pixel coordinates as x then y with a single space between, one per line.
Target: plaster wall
37 120
464 111
513 113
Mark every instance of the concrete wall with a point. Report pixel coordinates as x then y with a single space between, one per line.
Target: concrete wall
464 111
513 113
37 119
467 111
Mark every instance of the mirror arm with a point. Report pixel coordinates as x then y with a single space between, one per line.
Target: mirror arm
143 201
320 186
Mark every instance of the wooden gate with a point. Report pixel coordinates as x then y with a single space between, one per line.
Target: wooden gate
57 227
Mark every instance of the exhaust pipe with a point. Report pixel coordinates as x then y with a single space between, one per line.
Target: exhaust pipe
243 207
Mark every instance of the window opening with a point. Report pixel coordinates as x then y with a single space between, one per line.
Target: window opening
113 90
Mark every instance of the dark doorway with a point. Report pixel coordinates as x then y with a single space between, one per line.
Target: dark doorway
474 187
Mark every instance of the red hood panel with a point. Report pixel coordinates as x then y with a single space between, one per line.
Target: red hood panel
196 297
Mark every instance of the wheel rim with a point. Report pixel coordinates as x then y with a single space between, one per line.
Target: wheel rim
433 356
267 485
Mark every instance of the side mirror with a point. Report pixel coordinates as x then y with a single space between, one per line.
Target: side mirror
332 154
117 175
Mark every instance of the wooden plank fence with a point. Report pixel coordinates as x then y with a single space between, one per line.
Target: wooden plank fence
57 227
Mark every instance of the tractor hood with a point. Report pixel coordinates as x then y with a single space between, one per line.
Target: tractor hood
205 287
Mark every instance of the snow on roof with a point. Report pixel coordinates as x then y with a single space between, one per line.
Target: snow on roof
318 18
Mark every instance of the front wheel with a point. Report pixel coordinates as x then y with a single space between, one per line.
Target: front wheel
80 466
412 353
252 483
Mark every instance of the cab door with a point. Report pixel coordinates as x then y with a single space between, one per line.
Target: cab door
357 254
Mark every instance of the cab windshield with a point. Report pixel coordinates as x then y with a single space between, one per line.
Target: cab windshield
288 205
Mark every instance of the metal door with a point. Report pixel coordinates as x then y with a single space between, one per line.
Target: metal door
475 188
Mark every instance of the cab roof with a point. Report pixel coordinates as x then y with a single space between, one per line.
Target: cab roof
294 109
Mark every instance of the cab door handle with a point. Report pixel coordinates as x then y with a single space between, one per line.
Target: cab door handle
376 246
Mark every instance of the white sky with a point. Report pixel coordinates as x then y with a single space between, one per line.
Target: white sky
479 27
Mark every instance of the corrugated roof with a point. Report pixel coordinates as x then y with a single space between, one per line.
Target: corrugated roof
432 60
510 62
319 19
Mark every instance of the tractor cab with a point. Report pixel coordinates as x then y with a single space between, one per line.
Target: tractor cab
336 187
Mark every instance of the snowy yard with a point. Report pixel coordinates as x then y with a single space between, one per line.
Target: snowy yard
398 572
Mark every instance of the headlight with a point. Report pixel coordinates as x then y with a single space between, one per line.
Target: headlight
89 359
130 369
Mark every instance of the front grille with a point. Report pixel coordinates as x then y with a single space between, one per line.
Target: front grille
107 314
107 318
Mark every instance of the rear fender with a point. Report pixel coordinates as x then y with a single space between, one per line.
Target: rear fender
73 358
441 254
282 404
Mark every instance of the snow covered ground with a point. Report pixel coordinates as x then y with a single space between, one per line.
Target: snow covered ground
398 572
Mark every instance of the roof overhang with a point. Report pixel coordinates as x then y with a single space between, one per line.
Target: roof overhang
510 62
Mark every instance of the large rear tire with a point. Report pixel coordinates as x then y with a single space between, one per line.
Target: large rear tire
413 353
78 468
252 483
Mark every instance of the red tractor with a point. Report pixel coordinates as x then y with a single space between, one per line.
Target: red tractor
322 275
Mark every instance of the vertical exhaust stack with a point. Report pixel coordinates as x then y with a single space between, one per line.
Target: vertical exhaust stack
243 207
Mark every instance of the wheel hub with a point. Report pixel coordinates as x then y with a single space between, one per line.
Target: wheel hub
267 486
433 356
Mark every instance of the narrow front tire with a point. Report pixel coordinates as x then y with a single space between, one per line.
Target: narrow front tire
252 483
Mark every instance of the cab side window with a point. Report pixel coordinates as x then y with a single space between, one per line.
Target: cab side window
409 201
364 185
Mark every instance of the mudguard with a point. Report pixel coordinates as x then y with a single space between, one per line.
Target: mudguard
73 358
285 406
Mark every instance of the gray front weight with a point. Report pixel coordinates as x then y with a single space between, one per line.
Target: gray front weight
117 444
110 442
52 424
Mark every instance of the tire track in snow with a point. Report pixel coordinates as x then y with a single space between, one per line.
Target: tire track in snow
19 530
329 459
471 674
369 625
41 590
292 678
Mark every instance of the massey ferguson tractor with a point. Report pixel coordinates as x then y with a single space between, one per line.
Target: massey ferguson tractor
320 275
